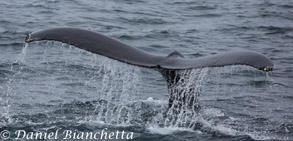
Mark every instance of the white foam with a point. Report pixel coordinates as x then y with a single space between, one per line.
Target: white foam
155 102
213 112
225 130
166 130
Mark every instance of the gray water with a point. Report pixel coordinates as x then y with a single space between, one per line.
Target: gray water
49 85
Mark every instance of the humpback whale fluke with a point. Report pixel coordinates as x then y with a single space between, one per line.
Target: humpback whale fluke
102 45
167 65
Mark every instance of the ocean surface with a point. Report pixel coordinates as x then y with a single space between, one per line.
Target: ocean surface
46 86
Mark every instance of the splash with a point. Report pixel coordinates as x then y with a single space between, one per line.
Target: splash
119 105
7 90
185 95
119 88
183 113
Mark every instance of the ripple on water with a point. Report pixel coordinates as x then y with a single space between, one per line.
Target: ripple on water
52 86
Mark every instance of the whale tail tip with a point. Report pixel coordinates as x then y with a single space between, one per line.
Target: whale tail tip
27 38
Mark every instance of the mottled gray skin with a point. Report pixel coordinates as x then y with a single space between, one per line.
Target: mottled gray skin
167 65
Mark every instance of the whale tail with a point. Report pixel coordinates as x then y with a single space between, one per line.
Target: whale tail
169 66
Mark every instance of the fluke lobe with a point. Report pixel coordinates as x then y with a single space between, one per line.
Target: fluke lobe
167 65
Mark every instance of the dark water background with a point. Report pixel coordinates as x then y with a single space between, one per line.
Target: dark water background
50 85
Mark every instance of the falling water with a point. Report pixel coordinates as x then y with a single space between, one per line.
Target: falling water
120 87
23 53
186 92
7 89
116 97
